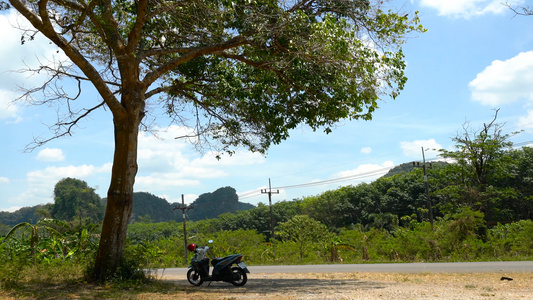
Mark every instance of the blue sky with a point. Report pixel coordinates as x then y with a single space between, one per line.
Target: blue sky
476 56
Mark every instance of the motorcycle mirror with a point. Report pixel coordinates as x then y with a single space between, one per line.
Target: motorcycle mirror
210 241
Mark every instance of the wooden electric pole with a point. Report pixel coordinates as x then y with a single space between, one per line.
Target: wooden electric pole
270 192
428 199
183 208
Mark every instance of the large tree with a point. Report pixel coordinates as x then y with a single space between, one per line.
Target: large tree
74 198
241 72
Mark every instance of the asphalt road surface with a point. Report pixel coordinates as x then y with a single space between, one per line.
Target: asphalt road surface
459 267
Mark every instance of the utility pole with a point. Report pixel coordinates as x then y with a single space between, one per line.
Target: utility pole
270 192
183 209
428 199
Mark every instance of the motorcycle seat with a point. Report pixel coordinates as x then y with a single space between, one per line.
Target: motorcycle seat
215 261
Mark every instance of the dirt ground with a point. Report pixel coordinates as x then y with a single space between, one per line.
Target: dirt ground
362 286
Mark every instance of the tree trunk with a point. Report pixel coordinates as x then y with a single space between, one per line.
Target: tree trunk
120 194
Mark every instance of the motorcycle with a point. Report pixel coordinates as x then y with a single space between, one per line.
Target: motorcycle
222 268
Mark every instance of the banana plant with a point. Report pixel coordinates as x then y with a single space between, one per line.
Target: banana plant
49 225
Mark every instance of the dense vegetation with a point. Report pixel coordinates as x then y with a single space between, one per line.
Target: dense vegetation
386 220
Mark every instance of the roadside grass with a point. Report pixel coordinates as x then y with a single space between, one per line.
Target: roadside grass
67 282
84 290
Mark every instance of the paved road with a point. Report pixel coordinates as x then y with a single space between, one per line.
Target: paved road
460 267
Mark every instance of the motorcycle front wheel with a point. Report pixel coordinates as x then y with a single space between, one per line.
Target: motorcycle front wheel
194 277
239 277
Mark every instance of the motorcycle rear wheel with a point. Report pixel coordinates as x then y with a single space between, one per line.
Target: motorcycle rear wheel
194 277
239 277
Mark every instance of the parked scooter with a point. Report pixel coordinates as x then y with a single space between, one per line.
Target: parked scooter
222 268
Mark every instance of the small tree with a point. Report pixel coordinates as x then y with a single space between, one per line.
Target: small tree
479 155
304 231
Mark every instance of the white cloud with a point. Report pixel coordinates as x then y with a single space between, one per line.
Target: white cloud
414 148
163 181
165 164
8 110
51 175
505 81
51 154
366 150
367 171
189 198
465 8
13 54
4 180
41 183
526 122
12 209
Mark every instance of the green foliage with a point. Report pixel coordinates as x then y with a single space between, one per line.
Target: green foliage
257 218
512 239
458 237
295 56
303 231
147 232
462 235
482 160
247 242
36 235
416 243
73 198
47 243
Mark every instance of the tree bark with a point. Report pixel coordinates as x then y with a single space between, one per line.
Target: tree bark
110 253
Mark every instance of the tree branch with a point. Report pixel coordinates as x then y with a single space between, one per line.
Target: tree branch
62 128
520 10
41 22
193 53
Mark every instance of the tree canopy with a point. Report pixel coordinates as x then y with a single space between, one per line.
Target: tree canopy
73 198
245 75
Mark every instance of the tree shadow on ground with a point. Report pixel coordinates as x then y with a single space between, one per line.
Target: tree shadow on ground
269 286
171 288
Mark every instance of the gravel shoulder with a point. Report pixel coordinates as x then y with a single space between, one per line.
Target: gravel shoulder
363 286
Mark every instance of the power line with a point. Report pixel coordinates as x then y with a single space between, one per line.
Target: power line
258 192
322 182
335 180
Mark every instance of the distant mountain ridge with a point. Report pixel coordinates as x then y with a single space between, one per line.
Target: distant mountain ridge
211 205
206 206
409 166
